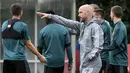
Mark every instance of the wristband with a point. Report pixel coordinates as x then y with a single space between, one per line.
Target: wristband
39 56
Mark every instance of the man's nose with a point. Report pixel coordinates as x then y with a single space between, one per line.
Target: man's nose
78 15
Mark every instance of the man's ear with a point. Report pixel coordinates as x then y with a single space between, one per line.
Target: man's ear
21 13
46 20
113 15
100 16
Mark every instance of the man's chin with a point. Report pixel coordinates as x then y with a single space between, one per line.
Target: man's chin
81 20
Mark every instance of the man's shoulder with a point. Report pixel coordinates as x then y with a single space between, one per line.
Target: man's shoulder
64 28
5 22
120 26
122 23
106 21
21 23
55 26
50 27
95 25
96 20
105 24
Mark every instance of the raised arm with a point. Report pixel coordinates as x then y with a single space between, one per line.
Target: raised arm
61 20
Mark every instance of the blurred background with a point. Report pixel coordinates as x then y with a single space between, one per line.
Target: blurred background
65 8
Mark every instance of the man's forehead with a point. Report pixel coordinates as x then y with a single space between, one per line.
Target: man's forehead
111 11
85 7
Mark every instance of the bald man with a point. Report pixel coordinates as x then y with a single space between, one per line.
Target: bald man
95 7
90 37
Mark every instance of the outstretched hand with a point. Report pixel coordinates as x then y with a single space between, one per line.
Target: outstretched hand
43 15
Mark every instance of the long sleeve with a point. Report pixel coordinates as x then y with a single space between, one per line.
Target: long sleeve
97 36
68 48
66 22
98 40
40 43
72 31
117 38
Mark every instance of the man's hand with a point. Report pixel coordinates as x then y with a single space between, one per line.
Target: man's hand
43 15
31 47
91 55
42 59
69 67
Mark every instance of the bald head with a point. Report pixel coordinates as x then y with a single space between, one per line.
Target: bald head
94 6
85 12
86 8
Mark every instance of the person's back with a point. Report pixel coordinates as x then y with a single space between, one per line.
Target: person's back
107 39
118 57
54 37
15 38
99 13
53 40
14 49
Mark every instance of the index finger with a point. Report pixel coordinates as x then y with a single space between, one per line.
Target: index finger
39 13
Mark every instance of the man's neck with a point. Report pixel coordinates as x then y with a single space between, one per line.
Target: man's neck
102 20
16 17
89 19
50 22
116 20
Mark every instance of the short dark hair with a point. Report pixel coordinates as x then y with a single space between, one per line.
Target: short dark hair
50 12
100 12
117 10
16 9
